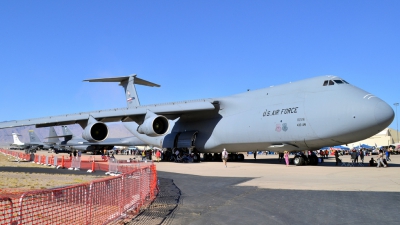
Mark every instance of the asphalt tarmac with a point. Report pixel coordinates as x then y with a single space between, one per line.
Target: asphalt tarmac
209 193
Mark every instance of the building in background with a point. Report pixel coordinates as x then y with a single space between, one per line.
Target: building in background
386 137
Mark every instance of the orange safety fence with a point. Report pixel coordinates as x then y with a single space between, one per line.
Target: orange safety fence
97 202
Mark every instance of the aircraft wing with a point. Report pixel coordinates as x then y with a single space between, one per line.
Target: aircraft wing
117 114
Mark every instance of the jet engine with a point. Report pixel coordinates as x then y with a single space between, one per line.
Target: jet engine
154 125
94 132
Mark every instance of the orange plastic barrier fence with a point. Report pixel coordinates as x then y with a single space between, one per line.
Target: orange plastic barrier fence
97 202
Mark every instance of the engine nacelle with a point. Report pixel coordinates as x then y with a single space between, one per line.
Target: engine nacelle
95 132
154 125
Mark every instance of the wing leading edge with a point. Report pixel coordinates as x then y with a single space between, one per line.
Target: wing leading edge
115 115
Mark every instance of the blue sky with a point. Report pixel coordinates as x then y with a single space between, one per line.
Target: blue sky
193 49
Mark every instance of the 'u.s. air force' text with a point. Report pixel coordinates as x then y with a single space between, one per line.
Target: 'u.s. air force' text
280 111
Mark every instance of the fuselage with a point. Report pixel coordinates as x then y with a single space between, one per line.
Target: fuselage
303 115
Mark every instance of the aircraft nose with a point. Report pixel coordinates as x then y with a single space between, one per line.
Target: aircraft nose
384 114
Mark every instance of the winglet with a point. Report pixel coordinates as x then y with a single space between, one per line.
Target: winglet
128 82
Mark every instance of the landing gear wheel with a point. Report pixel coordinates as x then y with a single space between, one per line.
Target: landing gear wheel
218 157
313 160
234 157
298 161
196 157
204 159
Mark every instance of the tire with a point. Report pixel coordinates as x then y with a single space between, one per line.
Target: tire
313 160
196 158
298 161
240 157
234 157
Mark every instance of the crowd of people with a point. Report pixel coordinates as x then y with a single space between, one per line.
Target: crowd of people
358 155
180 155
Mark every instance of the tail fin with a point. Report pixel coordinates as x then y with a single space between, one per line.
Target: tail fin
66 131
16 139
53 136
33 136
128 82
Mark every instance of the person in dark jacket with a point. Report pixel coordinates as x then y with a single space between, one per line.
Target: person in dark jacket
353 156
337 157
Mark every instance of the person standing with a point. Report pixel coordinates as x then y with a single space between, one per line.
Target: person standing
158 155
356 159
224 157
286 156
379 160
387 155
337 157
255 155
353 156
143 155
281 156
362 156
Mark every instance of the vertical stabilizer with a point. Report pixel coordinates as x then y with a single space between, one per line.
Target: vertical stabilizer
16 139
132 98
52 136
128 83
33 138
66 131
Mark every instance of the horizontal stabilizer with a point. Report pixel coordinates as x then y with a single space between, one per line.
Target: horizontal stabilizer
128 83
122 79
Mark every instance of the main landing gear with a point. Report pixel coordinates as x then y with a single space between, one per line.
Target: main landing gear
301 160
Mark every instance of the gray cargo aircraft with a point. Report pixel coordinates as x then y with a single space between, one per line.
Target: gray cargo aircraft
297 116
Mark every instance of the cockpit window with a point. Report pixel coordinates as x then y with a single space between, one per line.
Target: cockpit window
332 82
339 81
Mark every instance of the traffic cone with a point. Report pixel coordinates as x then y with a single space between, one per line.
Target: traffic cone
92 170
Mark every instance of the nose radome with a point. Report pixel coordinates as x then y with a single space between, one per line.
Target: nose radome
384 114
